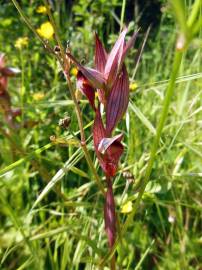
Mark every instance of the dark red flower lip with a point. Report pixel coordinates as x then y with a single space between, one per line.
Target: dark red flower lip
105 143
108 150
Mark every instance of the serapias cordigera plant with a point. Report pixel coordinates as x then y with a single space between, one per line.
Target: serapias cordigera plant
109 79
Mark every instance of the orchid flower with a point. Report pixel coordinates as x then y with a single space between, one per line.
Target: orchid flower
108 150
107 66
110 80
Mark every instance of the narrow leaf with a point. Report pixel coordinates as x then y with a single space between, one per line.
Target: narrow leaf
139 52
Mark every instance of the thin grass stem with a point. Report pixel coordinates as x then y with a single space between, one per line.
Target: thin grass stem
194 13
122 13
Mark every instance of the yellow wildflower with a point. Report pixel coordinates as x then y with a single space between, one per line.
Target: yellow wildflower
133 86
46 30
74 71
21 42
127 207
41 9
38 96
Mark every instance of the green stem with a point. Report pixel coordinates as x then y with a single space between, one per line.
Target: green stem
57 37
122 13
22 91
194 13
164 113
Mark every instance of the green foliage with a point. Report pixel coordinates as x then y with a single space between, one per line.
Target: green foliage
51 214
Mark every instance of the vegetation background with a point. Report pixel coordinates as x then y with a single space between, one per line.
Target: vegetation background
63 229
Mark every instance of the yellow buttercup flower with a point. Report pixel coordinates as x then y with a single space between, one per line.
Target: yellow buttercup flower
127 207
38 96
133 86
46 30
21 42
74 71
41 9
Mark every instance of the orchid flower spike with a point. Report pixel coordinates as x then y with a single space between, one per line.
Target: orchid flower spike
110 79
107 66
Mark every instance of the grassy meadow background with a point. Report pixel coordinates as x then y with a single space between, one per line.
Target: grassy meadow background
64 228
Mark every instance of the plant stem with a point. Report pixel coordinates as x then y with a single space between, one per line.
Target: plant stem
110 219
83 139
65 67
164 113
122 13
194 12
113 263
57 37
